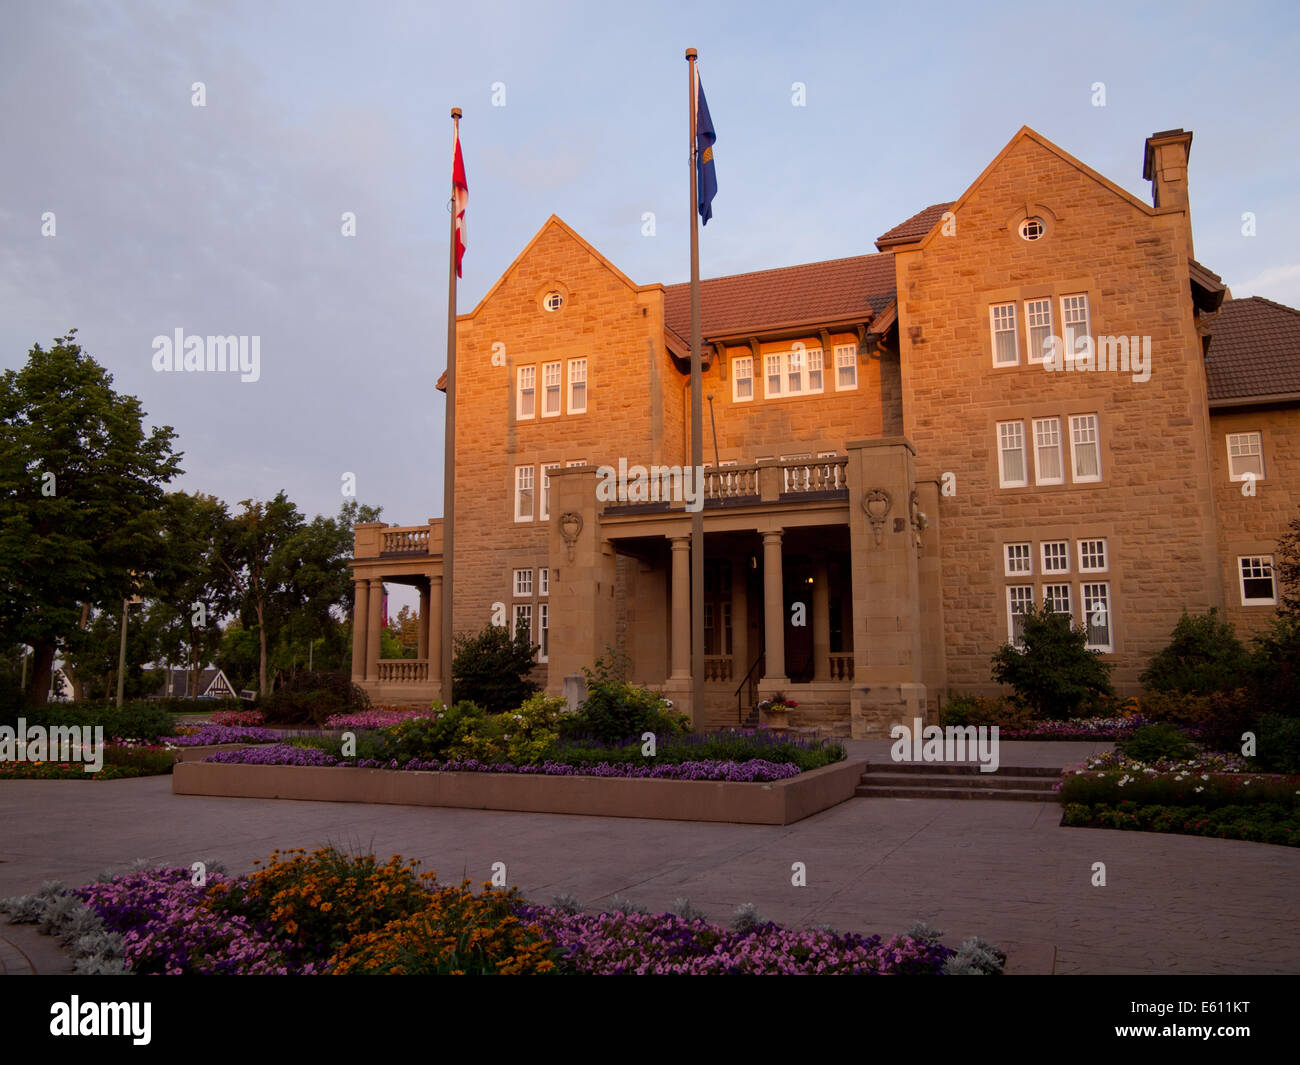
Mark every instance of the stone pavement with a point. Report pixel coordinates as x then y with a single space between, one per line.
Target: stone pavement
1005 871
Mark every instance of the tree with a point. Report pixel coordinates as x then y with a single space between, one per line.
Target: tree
1288 570
84 484
492 668
192 590
253 553
1054 672
1203 656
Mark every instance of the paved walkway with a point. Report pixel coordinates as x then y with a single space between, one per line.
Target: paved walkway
1005 871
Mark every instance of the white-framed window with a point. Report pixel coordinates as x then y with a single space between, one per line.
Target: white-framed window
550 389
1092 556
545 512
1096 616
524 620
1085 448
1020 598
794 373
1258 587
1018 560
1038 319
1056 556
1245 456
523 583
576 462
773 379
544 581
577 386
846 367
1032 229
1057 598
1074 319
1006 344
816 378
553 301
1011 455
523 493
544 631
526 393
742 379
1049 464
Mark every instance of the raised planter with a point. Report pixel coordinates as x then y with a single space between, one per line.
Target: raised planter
197 754
780 802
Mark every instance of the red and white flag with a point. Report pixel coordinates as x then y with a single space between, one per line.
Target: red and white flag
460 197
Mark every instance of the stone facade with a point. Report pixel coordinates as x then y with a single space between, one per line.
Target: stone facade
870 518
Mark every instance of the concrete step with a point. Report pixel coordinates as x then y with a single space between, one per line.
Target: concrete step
963 769
987 781
872 791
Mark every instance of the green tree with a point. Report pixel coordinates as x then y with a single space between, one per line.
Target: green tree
492 668
84 482
1288 570
1054 672
1203 656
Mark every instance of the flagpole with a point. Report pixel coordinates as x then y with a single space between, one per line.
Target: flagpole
697 426
449 448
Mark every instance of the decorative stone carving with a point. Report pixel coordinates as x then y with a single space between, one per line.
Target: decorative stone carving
570 527
919 521
877 504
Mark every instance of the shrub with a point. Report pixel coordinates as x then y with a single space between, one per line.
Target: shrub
1155 743
309 698
615 710
1275 668
492 668
979 710
1203 656
1180 708
1055 672
135 720
429 737
1278 743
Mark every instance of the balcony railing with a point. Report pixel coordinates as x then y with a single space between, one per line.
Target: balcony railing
841 667
717 667
815 475
413 540
731 482
403 670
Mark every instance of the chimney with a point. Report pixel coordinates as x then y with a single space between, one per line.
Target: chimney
1165 166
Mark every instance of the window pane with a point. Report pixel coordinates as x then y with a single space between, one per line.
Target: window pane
814 371
1087 462
1047 438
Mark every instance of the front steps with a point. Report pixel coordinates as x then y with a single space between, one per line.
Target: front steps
933 780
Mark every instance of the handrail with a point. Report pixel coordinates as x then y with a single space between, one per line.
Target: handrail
762 650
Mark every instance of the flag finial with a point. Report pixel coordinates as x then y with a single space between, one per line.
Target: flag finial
691 53
455 112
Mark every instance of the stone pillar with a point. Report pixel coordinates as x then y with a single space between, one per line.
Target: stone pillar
374 625
739 619
433 634
681 619
360 612
422 650
774 608
821 612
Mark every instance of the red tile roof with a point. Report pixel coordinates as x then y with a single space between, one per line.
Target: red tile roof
836 290
914 228
1254 350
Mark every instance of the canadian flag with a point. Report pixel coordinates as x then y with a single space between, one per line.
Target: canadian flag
460 196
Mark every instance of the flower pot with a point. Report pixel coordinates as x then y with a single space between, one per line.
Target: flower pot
778 717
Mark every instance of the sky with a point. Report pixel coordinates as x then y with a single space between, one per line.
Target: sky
834 122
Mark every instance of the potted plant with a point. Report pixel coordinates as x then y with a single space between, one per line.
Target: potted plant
776 710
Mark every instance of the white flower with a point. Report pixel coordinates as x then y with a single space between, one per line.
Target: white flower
1201 789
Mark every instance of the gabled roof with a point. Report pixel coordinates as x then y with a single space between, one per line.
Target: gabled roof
831 291
914 228
175 682
1254 353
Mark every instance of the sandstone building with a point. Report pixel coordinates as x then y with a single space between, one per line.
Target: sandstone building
1034 392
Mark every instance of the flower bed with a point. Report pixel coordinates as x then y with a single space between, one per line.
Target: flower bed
333 913
246 718
745 772
376 717
1099 729
1259 823
211 735
132 759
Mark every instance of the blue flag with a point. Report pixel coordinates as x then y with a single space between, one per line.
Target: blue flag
706 179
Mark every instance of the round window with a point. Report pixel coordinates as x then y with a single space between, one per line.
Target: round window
1032 228
553 301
